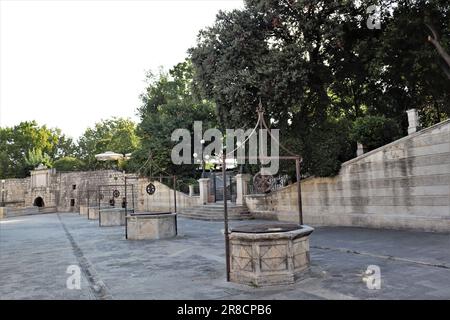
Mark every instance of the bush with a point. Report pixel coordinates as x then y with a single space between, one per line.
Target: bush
375 131
323 146
329 146
68 164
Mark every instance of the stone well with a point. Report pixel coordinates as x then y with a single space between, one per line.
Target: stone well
93 212
111 217
264 255
84 210
151 225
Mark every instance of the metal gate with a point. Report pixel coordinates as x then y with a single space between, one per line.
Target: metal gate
217 184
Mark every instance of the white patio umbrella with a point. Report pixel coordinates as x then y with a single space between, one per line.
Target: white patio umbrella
109 156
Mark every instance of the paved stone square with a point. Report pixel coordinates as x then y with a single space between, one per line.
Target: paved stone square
35 252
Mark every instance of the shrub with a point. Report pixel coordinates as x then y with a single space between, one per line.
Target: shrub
323 146
329 146
375 131
68 164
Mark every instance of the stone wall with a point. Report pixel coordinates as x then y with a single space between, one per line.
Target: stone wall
66 191
75 186
162 199
15 190
403 185
62 191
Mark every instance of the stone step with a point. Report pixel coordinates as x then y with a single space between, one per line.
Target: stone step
220 205
214 212
215 218
208 213
194 210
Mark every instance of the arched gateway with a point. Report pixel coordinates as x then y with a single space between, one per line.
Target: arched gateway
38 202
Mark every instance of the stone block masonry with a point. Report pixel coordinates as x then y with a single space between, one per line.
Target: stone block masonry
273 258
77 192
111 217
61 191
402 185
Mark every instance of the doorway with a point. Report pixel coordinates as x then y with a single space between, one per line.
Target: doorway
38 202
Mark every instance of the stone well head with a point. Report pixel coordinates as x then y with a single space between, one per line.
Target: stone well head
269 254
151 225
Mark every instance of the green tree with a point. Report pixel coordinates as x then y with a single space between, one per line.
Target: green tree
170 102
276 51
315 64
375 131
65 146
116 134
68 164
36 157
407 67
17 144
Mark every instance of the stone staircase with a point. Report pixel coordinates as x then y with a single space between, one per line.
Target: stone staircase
214 212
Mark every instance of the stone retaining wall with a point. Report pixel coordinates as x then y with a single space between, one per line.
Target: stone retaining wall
403 185
162 199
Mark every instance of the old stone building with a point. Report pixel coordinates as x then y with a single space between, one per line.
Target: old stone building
47 190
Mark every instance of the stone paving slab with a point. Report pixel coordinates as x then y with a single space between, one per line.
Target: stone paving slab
35 252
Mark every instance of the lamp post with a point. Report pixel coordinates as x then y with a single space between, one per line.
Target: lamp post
201 160
203 169
3 193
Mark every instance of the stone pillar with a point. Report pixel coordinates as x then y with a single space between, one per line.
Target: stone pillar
241 187
191 190
413 120
204 190
361 149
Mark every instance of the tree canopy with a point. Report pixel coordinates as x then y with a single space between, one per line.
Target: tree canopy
116 134
316 65
326 79
27 144
68 164
170 102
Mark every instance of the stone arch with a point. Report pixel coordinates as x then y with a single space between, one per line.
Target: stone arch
38 202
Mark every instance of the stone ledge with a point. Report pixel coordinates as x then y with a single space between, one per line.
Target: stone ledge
294 234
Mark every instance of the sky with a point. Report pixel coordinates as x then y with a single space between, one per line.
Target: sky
69 64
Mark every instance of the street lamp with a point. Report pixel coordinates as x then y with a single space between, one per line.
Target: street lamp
201 160
3 193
